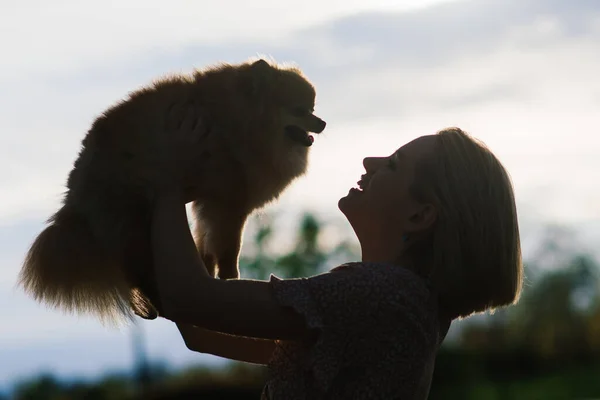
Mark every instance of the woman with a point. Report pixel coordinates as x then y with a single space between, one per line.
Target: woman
438 231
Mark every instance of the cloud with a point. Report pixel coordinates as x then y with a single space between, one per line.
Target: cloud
69 35
519 75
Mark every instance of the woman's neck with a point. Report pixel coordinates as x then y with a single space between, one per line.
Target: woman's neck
416 261
379 252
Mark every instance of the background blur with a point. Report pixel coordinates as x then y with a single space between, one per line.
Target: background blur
521 75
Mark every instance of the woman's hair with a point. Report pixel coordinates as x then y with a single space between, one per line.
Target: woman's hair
475 245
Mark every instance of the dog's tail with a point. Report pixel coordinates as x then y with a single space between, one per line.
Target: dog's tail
66 268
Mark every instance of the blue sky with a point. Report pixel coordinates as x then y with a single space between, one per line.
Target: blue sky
522 75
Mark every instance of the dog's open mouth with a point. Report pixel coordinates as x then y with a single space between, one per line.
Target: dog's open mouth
299 135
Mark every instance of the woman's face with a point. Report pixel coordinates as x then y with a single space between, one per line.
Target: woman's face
383 205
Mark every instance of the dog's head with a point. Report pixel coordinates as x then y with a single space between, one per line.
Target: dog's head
287 100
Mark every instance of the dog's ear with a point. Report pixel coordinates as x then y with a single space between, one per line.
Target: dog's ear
260 65
261 76
261 69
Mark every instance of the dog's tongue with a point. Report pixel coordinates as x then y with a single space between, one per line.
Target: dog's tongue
307 140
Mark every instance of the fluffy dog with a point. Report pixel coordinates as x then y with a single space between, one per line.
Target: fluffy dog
95 254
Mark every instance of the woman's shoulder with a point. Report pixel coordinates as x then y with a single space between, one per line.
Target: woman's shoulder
361 288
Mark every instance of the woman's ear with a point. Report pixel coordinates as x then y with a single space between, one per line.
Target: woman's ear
422 218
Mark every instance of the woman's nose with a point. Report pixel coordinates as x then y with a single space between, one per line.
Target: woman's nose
370 163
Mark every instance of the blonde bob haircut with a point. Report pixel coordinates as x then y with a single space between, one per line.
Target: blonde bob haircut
474 247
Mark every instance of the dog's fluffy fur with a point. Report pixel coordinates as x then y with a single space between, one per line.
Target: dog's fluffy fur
95 254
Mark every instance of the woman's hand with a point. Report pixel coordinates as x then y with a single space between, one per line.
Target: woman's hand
179 148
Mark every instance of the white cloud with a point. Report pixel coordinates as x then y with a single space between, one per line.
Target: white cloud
532 90
69 35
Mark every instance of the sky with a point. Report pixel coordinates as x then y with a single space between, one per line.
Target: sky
521 75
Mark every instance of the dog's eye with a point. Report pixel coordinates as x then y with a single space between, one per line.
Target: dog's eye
299 111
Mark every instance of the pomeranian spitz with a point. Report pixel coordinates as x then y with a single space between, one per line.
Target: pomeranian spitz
95 254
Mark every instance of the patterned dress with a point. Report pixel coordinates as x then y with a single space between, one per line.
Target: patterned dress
377 332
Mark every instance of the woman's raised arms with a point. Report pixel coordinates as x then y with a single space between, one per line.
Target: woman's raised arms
190 296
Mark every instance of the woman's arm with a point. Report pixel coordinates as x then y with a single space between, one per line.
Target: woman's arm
190 296
251 350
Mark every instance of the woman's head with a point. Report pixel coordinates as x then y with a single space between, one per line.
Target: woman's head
445 204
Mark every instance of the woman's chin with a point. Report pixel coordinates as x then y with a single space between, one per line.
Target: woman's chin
341 204
348 202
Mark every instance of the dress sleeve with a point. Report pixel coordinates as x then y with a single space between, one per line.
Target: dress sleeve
370 319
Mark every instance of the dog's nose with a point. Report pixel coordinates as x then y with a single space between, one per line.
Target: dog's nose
320 126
